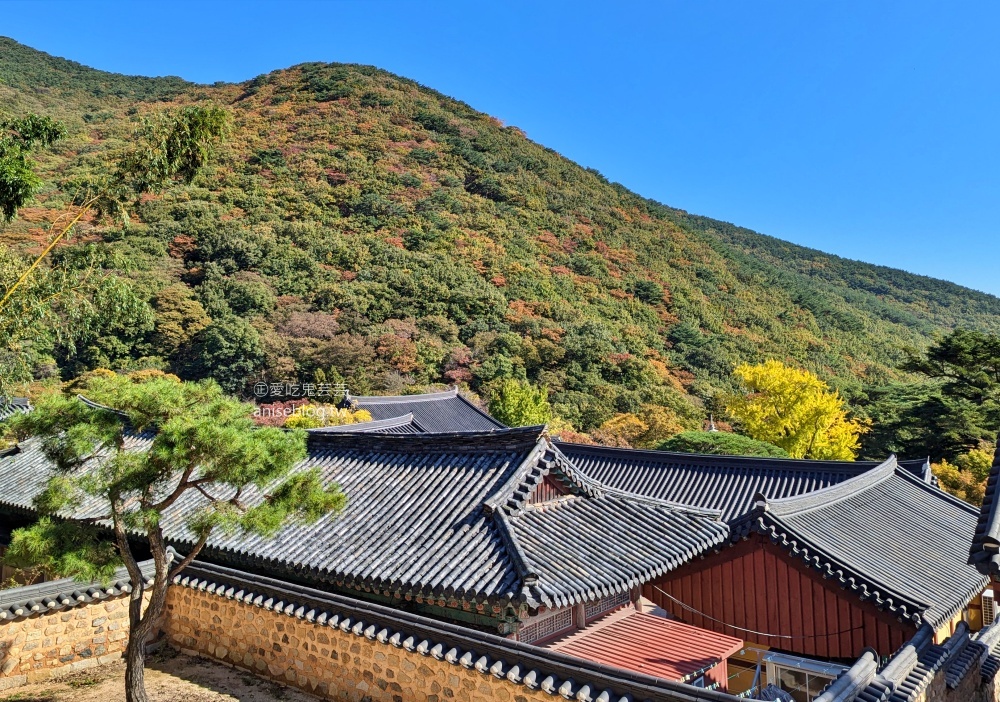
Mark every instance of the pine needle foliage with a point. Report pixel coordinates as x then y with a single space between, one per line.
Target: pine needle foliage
202 441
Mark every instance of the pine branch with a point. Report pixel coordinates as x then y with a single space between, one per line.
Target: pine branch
186 561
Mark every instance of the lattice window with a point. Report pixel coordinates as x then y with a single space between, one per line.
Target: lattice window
598 607
989 607
547 626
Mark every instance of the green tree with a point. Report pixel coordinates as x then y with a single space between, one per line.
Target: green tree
967 362
720 443
517 404
171 148
179 317
795 410
228 350
918 420
18 138
204 442
961 404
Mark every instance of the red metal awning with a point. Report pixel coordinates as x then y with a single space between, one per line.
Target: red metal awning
646 643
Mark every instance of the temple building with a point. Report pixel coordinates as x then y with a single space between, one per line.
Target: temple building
749 575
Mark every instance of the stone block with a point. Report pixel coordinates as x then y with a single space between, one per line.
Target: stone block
13 681
84 664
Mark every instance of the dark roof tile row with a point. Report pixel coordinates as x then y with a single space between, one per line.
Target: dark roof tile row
9 406
434 412
886 535
984 552
28 600
444 516
724 483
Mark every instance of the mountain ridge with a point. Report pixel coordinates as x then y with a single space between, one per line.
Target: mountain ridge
450 248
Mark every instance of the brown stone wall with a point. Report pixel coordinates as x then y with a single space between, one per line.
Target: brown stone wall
323 660
44 645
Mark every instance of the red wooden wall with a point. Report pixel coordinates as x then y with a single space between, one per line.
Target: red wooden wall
548 489
758 586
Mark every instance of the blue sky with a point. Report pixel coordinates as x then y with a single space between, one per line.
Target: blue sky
869 130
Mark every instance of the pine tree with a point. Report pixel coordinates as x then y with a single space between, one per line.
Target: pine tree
203 441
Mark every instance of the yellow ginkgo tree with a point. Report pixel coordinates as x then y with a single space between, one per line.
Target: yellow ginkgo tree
795 410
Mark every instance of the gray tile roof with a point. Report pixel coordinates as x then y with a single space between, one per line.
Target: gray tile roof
983 648
725 483
9 406
886 535
773 693
21 602
392 425
535 669
912 667
846 686
447 516
433 412
973 650
984 552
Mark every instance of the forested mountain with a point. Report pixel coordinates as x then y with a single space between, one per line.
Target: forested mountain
361 225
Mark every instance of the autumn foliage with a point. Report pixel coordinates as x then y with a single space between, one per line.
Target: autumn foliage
795 410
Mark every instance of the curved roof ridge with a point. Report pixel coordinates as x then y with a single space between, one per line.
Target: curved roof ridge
712 458
364 427
417 397
715 514
937 491
98 406
805 502
520 438
846 686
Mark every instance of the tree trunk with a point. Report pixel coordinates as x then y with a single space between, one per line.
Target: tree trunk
135 669
141 625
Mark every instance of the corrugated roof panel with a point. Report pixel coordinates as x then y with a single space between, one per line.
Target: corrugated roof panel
645 643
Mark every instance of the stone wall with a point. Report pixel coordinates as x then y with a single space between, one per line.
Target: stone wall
61 641
323 660
345 660
972 688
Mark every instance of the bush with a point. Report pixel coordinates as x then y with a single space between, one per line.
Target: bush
720 443
960 483
518 404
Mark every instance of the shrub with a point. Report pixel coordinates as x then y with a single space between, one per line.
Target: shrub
720 443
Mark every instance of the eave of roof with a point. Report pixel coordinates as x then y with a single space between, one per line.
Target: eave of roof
28 600
786 522
984 552
724 483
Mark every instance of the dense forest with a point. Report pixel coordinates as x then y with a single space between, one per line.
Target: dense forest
358 227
